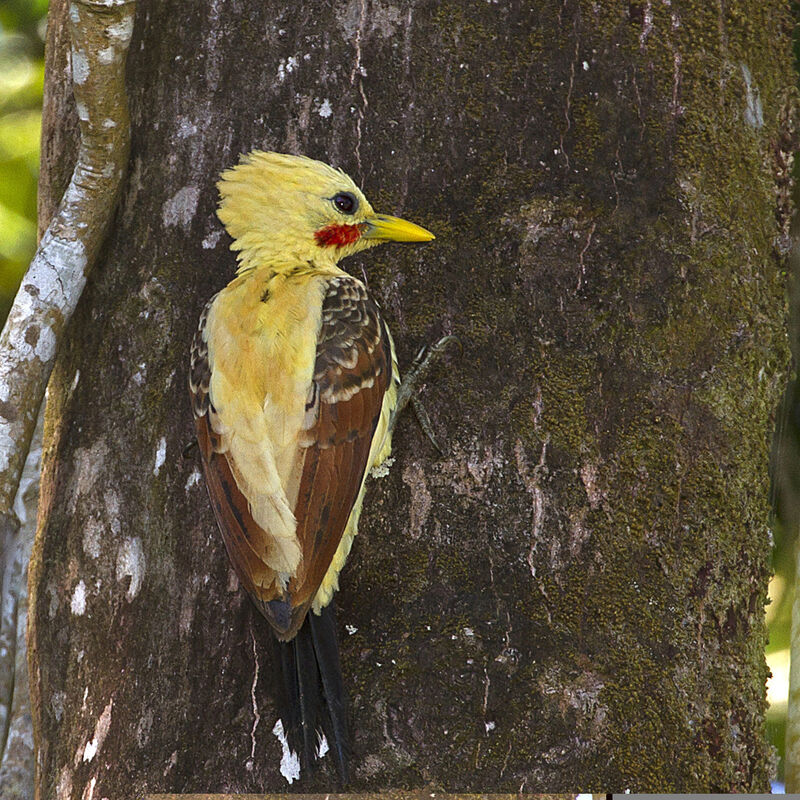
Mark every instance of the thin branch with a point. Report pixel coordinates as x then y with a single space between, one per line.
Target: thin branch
16 734
100 31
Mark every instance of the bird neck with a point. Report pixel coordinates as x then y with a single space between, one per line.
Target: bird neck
289 263
288 266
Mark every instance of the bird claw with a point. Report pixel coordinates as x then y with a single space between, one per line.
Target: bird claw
446 340
425 423
428 352
420 367
188 451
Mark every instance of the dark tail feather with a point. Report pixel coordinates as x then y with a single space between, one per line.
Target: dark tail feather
288 694
326 648
310 695
313 700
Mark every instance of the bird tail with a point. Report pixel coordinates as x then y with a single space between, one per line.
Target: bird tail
313 702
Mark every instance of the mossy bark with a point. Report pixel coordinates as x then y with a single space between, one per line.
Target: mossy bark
572 596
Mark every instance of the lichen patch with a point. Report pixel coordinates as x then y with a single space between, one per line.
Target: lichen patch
161 455
100 733
290 763
180 209
131 564
121 31
78 603
80 67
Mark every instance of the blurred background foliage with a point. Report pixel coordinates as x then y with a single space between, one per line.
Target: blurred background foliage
22 33
22 28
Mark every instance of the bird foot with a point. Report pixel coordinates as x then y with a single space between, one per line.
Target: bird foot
421 366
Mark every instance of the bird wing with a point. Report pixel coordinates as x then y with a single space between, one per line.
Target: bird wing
242 536
352 370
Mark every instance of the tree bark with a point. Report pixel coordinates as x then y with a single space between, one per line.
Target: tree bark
573 595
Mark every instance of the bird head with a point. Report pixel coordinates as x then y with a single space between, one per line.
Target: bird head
282 209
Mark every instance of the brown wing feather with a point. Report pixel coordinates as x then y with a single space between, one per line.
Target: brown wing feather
233 517
352 372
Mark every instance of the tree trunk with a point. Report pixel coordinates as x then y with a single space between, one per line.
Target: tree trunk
573 594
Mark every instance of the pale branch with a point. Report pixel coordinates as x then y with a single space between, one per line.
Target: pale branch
100 31
16 723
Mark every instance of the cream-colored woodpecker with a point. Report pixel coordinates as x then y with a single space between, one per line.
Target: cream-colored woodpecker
293 383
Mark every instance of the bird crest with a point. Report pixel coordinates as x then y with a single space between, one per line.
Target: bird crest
288 209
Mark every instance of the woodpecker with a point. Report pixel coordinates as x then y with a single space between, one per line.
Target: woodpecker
294 389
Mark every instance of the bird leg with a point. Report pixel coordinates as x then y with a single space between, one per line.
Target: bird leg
421 366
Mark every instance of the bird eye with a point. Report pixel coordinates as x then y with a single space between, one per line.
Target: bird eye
345 202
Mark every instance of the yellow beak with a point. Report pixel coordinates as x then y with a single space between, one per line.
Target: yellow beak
394 229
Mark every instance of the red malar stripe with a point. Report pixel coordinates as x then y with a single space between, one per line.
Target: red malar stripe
337 235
